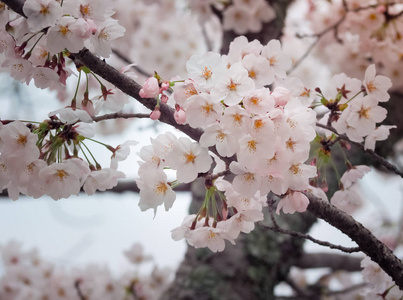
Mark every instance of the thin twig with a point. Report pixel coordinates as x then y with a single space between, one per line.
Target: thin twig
79 292
374 155
129 62
346 290
277 228
120 116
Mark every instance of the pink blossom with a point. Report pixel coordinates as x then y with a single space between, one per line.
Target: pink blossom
150 88
294 201
155 114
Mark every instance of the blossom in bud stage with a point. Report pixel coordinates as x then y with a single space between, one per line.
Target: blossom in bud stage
150 88
180 116
155 114
281 96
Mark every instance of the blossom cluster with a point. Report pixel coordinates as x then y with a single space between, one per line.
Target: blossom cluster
241 16
268 131
45 160
36 47
28 276
369 31
355 106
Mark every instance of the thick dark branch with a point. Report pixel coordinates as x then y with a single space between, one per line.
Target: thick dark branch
367 242
329 260
129 62
15 5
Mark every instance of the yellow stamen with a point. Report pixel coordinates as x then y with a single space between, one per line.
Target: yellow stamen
44 9
161 188
232 85
61 175
207 109
190 157
364 112
207 72
295 169
64 30
22 139
252 145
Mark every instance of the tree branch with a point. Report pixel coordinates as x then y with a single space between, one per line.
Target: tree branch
367 242
376 156
333 261
277 228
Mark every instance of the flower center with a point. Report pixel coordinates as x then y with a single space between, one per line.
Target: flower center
207 109
252 74
295 169
232 85
220 137
161 188
371 86
44 9
252 145
237 119
364 112
207 72
85 9
61 175
255 101
22 140
190 157
64 30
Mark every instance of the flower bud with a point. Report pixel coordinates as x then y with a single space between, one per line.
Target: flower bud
150 88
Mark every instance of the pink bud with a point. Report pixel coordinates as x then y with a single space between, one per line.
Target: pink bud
92 27
180 116
150 88
165 85
381 9
164 99
155 114
281 96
